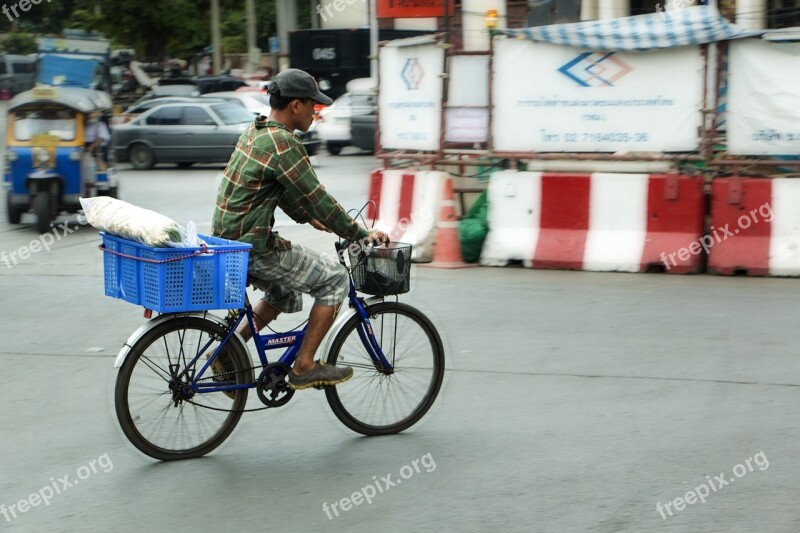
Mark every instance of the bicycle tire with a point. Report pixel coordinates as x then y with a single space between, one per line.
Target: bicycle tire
346 400
143 369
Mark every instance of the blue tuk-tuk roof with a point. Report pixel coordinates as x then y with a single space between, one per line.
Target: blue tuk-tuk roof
79 99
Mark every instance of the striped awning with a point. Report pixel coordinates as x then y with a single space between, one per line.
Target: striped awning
664 29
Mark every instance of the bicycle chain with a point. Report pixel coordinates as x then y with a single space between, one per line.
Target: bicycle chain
227 410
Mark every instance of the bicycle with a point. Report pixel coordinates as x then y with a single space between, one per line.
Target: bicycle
171 406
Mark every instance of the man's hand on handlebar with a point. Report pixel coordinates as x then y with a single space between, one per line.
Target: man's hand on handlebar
378 237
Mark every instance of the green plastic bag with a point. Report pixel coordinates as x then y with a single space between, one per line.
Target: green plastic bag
473 228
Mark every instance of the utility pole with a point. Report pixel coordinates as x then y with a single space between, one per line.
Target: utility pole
373 41
286 11
250 14
216 38
314 15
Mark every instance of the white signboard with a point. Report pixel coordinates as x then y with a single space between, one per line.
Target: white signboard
410 96
554 98
467 116
469 81
763 98
466 125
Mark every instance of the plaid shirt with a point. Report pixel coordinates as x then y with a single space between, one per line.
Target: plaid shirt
270 168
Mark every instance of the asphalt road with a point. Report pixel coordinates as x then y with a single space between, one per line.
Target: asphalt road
573 402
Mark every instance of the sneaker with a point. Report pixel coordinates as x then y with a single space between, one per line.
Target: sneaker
223 366
321 375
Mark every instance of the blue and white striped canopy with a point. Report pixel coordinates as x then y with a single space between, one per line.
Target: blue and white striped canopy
664 29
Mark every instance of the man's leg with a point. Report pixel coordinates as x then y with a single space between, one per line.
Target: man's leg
285 276
319 322
263 313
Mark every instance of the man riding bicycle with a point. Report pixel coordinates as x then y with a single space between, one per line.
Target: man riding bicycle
269 169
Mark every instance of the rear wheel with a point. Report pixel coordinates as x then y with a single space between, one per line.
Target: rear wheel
43 211
163 417
142 157
334 149
376 403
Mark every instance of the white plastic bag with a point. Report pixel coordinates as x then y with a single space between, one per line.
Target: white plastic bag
137 224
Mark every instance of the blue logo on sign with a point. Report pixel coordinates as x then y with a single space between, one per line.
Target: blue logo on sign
412 73
596 69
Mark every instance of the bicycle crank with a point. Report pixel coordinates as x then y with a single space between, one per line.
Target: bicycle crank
272 387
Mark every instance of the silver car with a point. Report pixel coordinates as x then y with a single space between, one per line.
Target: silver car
182 133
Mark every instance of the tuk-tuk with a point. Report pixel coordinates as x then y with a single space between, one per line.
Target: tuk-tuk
47 167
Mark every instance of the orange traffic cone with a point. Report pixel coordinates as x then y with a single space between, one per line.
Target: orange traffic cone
447 251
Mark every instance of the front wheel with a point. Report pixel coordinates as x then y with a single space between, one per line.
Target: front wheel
376 403
43 211
162 416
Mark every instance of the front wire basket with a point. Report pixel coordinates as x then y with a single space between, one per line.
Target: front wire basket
381 270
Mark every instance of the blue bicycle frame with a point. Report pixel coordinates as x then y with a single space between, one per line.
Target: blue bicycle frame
291 340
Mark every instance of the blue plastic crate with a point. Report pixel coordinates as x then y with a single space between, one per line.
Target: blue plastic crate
213 280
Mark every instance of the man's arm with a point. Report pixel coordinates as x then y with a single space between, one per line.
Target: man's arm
294 210
303 189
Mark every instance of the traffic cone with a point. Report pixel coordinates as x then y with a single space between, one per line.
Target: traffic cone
447 251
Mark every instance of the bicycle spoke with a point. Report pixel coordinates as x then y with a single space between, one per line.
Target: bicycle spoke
374 402
162 422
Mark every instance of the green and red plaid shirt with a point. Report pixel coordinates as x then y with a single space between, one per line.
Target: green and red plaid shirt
270 168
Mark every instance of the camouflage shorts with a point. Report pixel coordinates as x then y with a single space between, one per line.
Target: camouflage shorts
285 275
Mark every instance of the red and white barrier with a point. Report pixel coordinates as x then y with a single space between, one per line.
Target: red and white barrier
406 206
599 222
756 224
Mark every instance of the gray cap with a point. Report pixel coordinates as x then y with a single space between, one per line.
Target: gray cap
296 83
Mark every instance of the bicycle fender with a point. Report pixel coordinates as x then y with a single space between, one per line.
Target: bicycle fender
150 324
340 322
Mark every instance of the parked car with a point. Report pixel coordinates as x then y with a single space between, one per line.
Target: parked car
145 104
157 92
334 122
258 104
217 83
254 101
363 129
182 133
260 86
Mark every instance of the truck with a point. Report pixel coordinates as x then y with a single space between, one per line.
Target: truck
74 62
336 56
16 73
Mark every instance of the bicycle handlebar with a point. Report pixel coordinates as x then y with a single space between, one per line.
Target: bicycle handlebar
344 245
